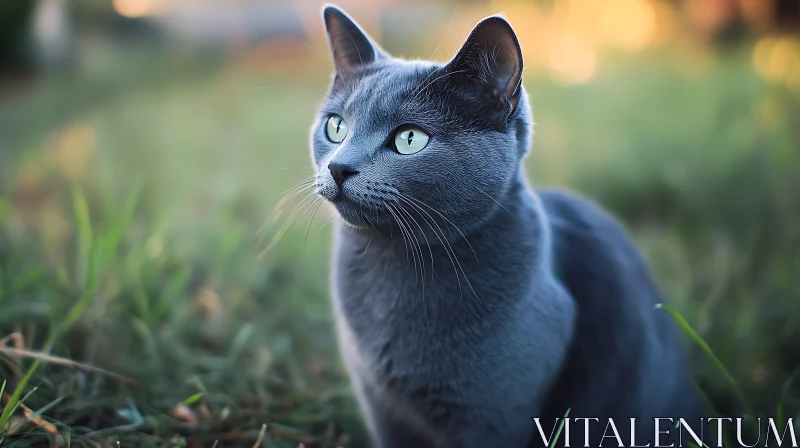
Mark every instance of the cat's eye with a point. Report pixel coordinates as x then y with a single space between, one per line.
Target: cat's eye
410 139
336 129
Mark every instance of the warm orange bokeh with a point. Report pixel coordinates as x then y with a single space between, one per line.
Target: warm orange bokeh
134 8
566 39
777 60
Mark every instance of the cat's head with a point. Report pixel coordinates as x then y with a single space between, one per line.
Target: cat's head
395 135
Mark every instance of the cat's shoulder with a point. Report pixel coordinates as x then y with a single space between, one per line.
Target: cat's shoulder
568 210
581 228
590 248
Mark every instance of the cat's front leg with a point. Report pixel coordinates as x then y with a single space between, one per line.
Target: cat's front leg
390 424
441 422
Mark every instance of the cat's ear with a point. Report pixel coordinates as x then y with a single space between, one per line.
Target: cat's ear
350 45
491 59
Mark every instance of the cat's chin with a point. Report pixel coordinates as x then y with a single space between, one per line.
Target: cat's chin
354 215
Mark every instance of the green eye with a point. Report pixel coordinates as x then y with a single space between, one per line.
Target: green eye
410 140
336 129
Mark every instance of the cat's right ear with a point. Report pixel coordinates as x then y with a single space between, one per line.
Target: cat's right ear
491 62
350 46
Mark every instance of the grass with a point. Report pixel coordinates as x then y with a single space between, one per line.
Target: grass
140 313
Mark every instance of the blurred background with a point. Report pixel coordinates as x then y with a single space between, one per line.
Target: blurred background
144 145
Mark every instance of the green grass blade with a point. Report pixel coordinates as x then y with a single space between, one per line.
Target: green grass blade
40 411
81 210
240 341
83 221
79 308
560 428
193 399
780 411
710 353
14 401
23 400
120 225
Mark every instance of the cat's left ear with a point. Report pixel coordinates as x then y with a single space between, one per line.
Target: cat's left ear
350 45
491 59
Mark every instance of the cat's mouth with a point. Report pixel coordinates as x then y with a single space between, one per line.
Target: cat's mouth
361 204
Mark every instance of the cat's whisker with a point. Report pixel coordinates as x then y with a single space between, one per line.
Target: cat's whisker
404 227
365 249
460 267
287 195
448 221
281 206
503 206
402 233
284 204
427 243
290 194
430 250
445 244
306 183
366 218
303 204
406 231
421 90
313 214
449 24
326 224
404 214
279 234
416 89
421 86
308 208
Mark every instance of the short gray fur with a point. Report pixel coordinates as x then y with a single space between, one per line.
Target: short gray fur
465 302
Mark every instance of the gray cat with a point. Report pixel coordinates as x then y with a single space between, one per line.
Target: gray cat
466 303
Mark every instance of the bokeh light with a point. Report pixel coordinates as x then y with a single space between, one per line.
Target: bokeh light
134 8
572 60
631 24
777 59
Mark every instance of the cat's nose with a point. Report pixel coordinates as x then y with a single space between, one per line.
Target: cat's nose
341 172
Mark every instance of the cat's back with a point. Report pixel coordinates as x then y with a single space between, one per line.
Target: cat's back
627 357
593 251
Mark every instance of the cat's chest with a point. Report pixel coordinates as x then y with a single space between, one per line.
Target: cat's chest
391 315
390 309
411 361
404 321
400 296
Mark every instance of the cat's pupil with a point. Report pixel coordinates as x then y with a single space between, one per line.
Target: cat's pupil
338 125
410 137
